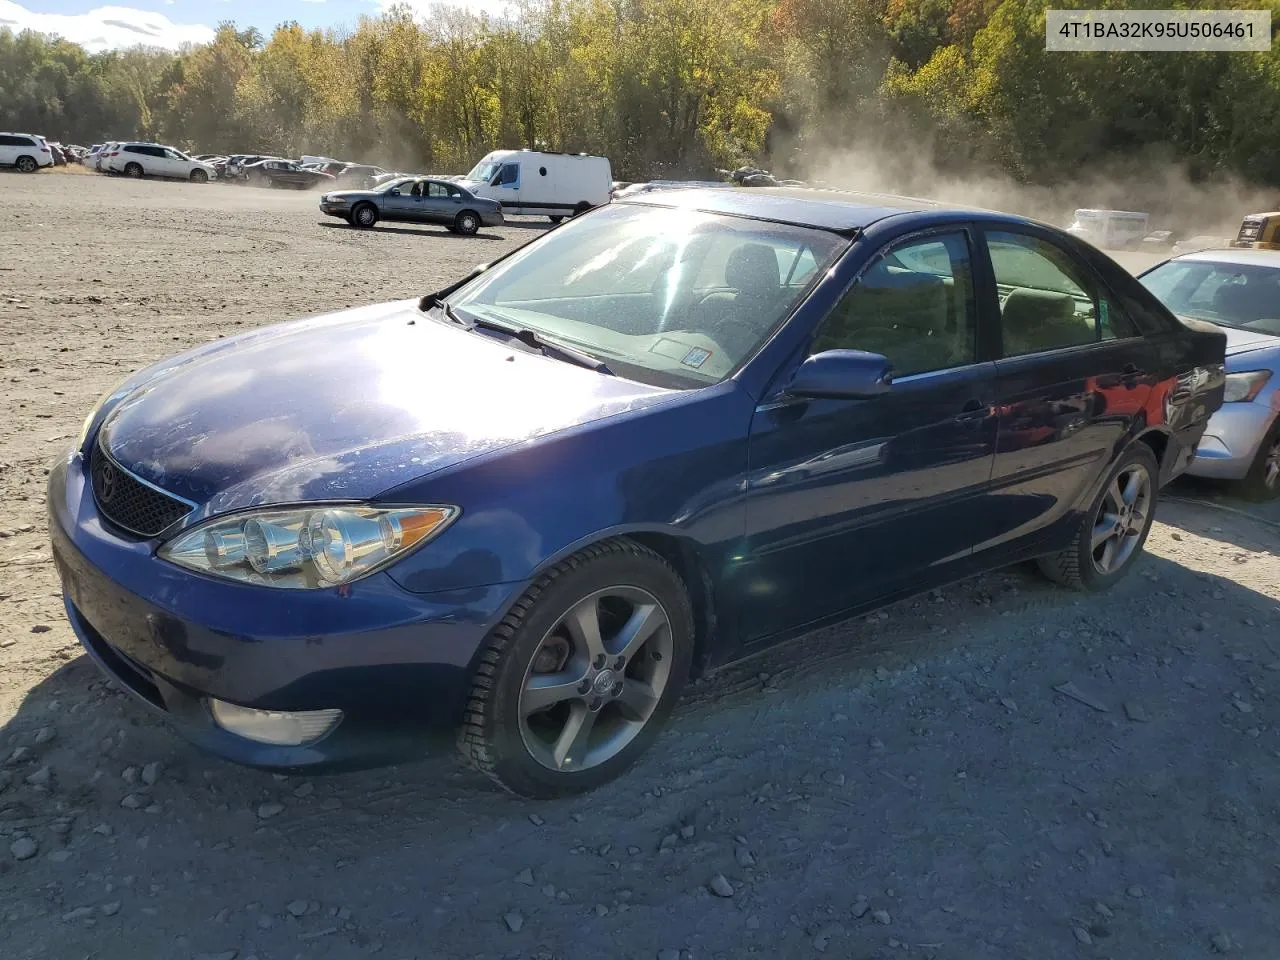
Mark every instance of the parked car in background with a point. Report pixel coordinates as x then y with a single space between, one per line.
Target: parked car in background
25 152
103 154
415 200
156 160
528 506
237 162
1110 229
1239 290
358 176
286 174
556 185
1159 241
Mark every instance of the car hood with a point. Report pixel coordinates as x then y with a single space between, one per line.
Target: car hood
345 407
353 194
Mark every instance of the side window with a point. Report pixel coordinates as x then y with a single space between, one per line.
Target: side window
913 304
1047 300
509 175
437 190
8 141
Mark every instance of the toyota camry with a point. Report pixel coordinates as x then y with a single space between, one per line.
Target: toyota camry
525 509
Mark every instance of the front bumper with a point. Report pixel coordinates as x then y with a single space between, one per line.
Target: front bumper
1231 440
397 664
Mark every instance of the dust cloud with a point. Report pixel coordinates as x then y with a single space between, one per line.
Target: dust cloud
1149 183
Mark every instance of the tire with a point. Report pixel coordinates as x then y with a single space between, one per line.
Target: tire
1262 482
555 217
27 164
133 170
467 223
365 215
1082 565
520 749
581 208
199 176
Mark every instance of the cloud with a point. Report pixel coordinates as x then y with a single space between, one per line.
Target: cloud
425 8
106 28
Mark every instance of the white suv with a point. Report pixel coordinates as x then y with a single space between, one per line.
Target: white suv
156 160
25 151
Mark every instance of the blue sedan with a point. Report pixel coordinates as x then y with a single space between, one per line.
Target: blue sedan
526 509
1238 289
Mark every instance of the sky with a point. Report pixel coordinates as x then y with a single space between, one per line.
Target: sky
170 23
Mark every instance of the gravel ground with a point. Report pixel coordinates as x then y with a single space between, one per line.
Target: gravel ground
1000 769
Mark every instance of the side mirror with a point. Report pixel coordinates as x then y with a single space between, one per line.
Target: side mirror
842 375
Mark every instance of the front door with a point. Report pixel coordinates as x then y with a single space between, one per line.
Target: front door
1071 377
506 186
404 202
850 500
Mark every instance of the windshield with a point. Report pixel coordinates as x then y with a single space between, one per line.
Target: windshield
1231 294
484 171
671 297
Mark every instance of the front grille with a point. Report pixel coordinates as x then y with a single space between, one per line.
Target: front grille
130 504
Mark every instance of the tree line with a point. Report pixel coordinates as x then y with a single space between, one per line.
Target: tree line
668 88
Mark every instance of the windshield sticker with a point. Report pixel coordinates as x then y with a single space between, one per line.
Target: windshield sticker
696 357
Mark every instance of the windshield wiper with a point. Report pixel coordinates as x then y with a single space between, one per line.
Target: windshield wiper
445 310
549 348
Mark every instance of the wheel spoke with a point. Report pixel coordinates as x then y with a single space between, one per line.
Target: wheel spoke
583 624
1133 487
1136 521
1116 494
637 700
1108 555
547 689
645 620
1106 528
571 746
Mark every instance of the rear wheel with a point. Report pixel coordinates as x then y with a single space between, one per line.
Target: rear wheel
365 215
1112 533
581 208
466 223
199 176
578 679
1262 482
555 217
27 165
133 170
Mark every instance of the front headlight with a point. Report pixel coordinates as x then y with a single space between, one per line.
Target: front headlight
1245 386
306 548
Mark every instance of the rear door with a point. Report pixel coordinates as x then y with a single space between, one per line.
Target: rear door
441 204
1073 374
850 500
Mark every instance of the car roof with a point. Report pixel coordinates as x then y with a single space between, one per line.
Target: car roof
1242 256
836 210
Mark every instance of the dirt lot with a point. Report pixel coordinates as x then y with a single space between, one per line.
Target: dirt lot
911 785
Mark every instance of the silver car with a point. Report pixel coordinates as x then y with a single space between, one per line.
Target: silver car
1239 290
415 200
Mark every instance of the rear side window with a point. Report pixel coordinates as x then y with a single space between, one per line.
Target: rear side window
1048 301
10 140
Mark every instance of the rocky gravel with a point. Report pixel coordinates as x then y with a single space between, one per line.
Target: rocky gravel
997 769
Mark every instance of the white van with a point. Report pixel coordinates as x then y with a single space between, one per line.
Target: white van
1111 229
530 182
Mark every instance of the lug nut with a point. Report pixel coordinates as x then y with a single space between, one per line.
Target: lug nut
595 703
620 663
584 686
599 661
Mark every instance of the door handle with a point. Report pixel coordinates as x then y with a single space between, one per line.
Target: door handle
973 406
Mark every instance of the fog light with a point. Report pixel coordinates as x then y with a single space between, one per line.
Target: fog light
277 727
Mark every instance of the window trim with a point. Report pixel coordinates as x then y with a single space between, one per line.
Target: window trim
964 229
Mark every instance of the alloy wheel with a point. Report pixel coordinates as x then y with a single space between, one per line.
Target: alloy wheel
1271 466
26 165
1121 519
596 679
365 216
468 224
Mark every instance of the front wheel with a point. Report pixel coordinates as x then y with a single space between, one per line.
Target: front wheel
555 217
1262 482
364 216
1113 532
199 176
466 223
579 678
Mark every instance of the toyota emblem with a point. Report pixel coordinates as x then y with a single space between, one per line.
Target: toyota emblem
108 478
